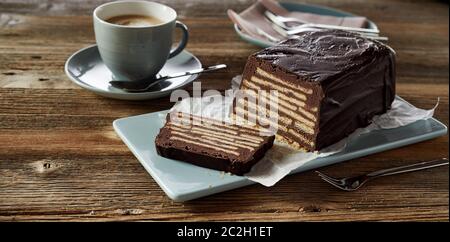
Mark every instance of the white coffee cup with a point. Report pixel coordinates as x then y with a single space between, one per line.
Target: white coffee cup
136 52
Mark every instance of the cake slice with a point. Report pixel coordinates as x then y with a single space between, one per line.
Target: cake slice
212 143
329 83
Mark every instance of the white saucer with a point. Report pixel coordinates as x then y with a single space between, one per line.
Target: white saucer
86 69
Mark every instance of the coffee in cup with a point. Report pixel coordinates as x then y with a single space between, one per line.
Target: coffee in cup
134 20
134 38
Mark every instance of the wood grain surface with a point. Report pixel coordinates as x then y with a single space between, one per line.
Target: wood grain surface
61 160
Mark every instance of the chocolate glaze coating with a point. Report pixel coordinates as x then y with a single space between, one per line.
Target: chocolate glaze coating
323 55
356 75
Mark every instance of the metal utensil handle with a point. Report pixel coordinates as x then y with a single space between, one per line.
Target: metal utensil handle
180 74
298 29
266 35
197 71
409 168
279 20
380 38
327 26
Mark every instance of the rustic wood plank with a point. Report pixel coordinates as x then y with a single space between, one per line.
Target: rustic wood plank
61 160
136 197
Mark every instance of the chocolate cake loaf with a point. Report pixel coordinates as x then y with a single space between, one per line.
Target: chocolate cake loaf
329 83
212 144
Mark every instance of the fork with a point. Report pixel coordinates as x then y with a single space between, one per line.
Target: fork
266 35
286 33
281 22
354 183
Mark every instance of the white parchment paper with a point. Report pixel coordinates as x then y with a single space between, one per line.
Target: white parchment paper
280 160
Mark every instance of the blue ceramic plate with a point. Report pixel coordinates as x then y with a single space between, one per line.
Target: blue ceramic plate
307 8
183 181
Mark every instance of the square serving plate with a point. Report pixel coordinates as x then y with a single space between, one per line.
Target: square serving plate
182 181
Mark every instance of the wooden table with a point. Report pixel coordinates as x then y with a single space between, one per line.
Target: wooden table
61 160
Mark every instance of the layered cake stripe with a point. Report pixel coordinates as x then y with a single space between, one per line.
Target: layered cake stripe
211 143
249 86
270 85
282 107
215 138
206 130
296 120
218 125
207 141
188 141
202 120
254 108
280 81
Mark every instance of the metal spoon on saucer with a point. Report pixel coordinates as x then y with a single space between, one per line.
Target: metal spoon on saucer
141 86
